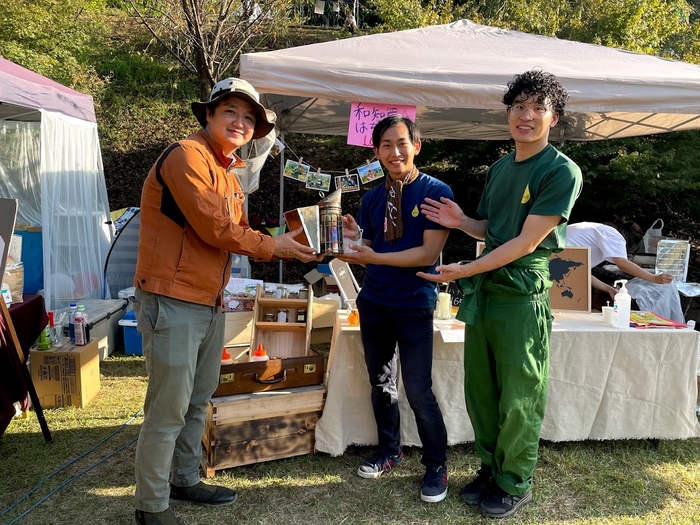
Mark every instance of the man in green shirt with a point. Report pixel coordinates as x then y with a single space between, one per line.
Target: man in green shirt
523 212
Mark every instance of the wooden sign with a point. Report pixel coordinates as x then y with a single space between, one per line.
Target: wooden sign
570 272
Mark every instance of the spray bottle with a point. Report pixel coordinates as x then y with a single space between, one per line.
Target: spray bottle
623 304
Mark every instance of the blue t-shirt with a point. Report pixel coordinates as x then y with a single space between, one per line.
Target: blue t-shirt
390 285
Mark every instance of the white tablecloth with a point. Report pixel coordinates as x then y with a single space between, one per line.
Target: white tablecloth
605 383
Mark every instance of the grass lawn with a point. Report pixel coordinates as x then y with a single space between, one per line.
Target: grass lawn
592 482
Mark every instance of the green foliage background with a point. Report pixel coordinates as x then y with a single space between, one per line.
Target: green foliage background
142 101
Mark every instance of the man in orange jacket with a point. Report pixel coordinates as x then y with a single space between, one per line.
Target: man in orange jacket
192 220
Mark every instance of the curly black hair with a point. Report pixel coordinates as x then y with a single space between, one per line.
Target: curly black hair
535 82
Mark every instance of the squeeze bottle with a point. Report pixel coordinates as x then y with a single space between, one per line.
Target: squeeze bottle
259 355
623 303
226 357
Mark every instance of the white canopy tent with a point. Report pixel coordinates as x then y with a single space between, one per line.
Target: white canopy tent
456 75
50 161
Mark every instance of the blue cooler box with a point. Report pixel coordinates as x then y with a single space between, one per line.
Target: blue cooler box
132 337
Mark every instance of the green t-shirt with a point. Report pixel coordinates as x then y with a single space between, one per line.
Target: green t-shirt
545 184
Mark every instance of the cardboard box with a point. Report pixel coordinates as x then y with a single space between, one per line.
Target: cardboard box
239 328
323 314
65 376
251 428
322 281
321 335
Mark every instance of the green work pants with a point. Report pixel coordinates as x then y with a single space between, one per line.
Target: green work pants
506 371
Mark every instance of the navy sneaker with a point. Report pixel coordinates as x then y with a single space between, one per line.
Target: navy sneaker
378 465
474 492
434 485
500 504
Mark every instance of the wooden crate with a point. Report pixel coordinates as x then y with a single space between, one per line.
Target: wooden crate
262 426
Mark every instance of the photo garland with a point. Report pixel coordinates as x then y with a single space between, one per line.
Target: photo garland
318 181
364 174
296 170
348 183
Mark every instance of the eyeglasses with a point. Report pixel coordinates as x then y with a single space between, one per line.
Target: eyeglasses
536 110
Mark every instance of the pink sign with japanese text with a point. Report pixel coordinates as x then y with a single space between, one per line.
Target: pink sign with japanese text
365 115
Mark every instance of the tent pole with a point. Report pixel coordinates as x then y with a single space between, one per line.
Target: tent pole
281 213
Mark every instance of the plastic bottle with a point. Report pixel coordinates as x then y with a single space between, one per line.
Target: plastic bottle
81 338
71 321
86 327
260 354
44 336
623 304
226 358
55 332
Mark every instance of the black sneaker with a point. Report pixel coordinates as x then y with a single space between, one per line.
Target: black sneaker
474 492
203 494
500 504
434 485
378 465
155 518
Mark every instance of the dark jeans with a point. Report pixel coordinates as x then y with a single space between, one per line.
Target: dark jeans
382 327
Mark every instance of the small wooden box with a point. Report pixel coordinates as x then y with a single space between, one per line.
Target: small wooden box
251 428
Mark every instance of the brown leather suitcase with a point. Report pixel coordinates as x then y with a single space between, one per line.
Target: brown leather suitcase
273 374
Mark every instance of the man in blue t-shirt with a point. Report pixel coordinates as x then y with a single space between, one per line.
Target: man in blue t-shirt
395 305
523 213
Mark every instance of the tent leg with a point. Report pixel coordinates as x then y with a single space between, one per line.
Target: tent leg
281 214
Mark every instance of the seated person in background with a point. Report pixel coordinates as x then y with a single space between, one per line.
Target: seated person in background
613 243
608 244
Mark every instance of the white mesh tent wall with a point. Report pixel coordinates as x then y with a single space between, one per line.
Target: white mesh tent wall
50 161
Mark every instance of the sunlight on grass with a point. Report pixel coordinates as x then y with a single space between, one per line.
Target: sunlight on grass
624 482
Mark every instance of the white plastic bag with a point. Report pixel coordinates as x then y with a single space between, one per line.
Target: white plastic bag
652 236
662 299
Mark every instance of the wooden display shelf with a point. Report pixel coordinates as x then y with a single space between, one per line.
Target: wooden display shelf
287 303
281 327
288 339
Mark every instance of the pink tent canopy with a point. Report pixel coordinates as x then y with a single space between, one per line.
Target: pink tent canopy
23 93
